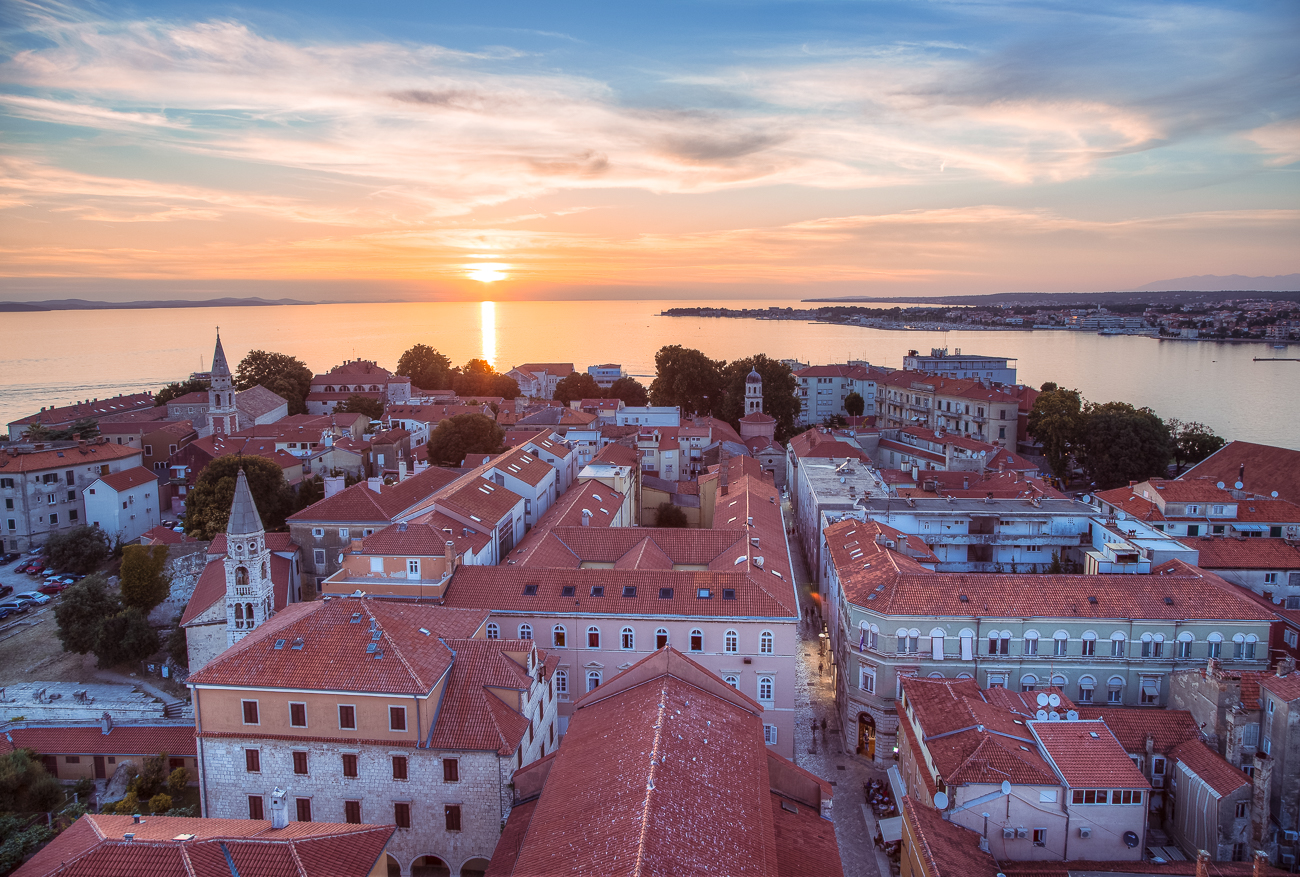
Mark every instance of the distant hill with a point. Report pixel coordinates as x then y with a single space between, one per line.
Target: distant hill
81 304
1069 299
1225 283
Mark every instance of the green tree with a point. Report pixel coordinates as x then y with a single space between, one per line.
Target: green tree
177 782
779 386
630 390
1056 421
124 637
145 581
310 491
578 385
854 404
80 550
287 377
25 787
1193 442
207 506
464 434
1120 443
687 378
177 389
82 610
358 404
669 515
477 378
160 803
427 368
178 647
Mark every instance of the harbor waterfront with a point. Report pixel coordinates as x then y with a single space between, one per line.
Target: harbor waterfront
1216 383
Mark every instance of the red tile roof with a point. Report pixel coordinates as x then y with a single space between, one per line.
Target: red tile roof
177 740
362 504
805 842
815 443
60 458
1282 687
946 848
1266 468
525 466
211 586
1131 726
480 500
81 410
472 715
1211 767
128 478
617 455
333 654
1087 755
1221 553
163 846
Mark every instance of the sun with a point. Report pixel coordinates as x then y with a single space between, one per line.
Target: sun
488 272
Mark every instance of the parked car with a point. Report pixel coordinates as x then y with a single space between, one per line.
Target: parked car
36 569
22 566
5 591
35 596
12 555
38 550
15 607
5 613
53 587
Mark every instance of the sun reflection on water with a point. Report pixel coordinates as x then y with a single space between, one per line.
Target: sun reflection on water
488 326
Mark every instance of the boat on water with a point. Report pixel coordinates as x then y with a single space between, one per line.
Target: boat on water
1279 347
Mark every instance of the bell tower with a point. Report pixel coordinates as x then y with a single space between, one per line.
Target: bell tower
223 417
753 393
250 595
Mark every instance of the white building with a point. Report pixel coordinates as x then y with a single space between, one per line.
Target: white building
663 415
124 504
823 388
989 369
606 374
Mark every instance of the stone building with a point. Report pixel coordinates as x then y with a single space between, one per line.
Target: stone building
377 711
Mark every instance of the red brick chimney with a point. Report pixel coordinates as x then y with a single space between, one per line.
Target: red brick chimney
1202 866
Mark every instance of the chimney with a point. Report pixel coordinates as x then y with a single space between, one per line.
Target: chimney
1285 666
279 809
1259 797
1202 864
130 835
965 483
106 723
451 555
1212 668
1241 474
376 483
333 484
915 473
1261 862
586 518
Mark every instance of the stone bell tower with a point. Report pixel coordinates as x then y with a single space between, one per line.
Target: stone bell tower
753 393
250 596
223 417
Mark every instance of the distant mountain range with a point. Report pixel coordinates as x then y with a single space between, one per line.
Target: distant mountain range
1225 283
81 304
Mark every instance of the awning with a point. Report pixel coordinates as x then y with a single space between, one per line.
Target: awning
1250 528
1150 689
891 829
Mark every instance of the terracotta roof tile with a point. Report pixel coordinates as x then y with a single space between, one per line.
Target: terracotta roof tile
175 740
1266 468
1087 755
524 465
805 842
480 500
1283 687
471 715
61 458
946 848
1211 767
1131 726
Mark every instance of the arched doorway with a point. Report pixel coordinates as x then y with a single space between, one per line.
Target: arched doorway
866 736
429 866
394 869
474 868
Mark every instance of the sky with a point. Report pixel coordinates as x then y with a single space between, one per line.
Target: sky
705 149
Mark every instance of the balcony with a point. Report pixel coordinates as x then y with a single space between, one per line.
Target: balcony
1062 539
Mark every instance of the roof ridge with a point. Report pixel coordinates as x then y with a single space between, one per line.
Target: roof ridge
655 749
398 652
492 713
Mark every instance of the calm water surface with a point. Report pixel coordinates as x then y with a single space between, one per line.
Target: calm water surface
58 357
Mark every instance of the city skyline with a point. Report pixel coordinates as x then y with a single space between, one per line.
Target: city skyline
720 150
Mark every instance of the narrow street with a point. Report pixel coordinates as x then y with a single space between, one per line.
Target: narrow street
823 752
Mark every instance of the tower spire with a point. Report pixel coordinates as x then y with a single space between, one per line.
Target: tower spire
249 590
223 415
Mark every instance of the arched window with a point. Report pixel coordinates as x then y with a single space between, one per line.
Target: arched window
1088 648
964 676
562 683
936 675
628 639
1215 641
765 643
1059 681
1117 644
1185 640
1028 682
732 642
248 613
732 680
264 576
525 631
558 636
765 688
1031 642
241 577
967 644
593 679
1061 643
493 630
1086 686
239 615
1115 689
661 638
697 640
593 637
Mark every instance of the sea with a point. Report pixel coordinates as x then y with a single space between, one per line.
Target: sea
61 357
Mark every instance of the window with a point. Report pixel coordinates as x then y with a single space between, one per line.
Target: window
867 680
451 770
1028 682
352 812
697 640
1270 578
1031 643
627 639
1047 796
593 680
1290 638
558 636
1060 643
1241 809
1185 645
250 713
1000 643
1115 690
1193 530
413 567
1089 646
347 717
731 642
300 763
765 641
349 764
765 688
397 718
318 556
451 814
1150 693
318 532
732 679
562 684
253 760
298 715
493 630
661 638
1040 837
402 814
304 809
343 532
1215 645
967 643
769 735
1086 686
399 767
525 631
593 637
255 807
1117 645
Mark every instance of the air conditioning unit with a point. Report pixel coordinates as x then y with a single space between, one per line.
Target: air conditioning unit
1022 833
1157 782
1291 836
1008 833
1085 831
1287 860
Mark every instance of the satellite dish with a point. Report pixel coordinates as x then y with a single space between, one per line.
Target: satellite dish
1072 716
1053 716
1041 715
1042 699
1130 837
1054 699
1238 485
1219 485
1273 494
940 801
1006 787
1086 498
1121 516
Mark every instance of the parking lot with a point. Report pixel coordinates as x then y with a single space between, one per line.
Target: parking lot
30 650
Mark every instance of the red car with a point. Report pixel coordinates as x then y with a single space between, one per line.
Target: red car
52 588
36 568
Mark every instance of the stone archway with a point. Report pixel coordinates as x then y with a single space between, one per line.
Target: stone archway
430 866
394 869
474 868
866 736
